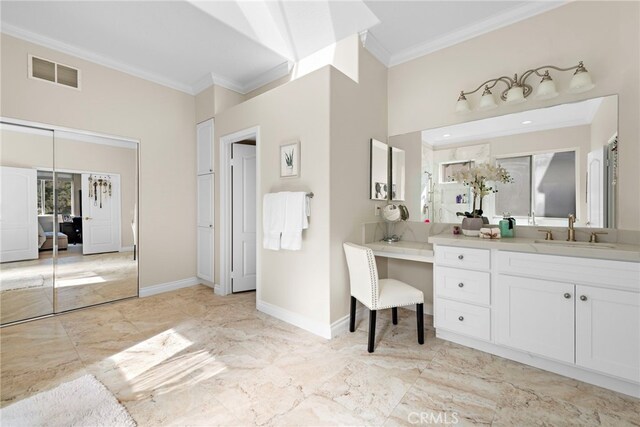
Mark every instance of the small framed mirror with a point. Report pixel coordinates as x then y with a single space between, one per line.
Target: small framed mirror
397 174
379 170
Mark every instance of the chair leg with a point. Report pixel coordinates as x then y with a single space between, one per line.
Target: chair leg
372 330
352 318
420 319
394 315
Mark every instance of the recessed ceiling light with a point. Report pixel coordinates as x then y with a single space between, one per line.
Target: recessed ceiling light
446 135
527 122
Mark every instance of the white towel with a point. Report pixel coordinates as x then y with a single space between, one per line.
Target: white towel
295 220
273 210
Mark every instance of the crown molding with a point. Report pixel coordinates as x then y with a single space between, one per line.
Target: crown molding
84 54
374 47
267 77
495 22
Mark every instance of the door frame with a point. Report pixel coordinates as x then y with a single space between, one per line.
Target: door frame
226 234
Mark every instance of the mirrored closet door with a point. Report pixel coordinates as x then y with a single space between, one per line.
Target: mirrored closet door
77 216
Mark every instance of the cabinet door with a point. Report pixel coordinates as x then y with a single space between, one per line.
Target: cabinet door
608 331
205 253
536 316
205 152
205 201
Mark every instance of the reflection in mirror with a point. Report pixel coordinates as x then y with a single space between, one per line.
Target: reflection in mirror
398 174
26 223
96 188
379 170
562 159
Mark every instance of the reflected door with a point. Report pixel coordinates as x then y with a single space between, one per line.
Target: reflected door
101 213
27 239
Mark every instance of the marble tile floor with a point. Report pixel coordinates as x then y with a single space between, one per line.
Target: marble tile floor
192 358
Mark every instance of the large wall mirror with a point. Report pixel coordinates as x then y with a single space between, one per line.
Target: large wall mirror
563 160
68 221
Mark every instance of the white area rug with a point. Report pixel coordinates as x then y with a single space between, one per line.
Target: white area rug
81 402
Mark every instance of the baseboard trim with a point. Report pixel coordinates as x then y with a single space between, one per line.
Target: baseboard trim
217 289
147 291
295 319
126 249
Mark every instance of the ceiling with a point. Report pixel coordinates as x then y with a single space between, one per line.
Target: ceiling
559 116
240 44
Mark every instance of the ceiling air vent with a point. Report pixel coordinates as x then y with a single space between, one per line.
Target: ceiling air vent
53 72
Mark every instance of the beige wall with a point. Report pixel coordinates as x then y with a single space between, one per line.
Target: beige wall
358 113
605 35
115 103
296 281
214 100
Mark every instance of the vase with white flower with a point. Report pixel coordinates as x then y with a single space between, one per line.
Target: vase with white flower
481 179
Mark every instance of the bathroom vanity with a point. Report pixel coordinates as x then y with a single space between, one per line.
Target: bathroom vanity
573 309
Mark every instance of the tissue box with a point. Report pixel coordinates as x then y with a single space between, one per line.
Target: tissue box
489 233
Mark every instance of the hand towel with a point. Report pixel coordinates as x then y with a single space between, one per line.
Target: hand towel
273 210
489 233
295 220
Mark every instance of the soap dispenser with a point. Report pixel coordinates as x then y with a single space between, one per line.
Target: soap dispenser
507 225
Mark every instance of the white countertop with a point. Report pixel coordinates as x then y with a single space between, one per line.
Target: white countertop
619 252
411 251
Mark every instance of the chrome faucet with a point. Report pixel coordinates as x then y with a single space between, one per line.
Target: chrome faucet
571 232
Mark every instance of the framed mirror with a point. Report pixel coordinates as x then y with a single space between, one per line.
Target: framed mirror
379 170
563 160
397 174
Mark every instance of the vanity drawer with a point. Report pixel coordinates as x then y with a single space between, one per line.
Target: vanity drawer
463 285
454 256
463 318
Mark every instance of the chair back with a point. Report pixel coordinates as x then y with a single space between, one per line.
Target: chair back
363 274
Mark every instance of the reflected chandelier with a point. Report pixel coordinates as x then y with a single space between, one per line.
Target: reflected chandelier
518 90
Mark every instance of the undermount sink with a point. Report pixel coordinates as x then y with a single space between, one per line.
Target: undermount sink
586 245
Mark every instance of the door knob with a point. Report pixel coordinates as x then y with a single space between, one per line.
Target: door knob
583 297
461 318
567 295
460 285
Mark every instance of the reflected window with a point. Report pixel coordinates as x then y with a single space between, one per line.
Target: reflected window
542 183
64 193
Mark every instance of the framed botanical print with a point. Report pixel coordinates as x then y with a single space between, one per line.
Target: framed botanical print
290 159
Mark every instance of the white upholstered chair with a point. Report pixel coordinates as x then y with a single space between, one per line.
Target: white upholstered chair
378 294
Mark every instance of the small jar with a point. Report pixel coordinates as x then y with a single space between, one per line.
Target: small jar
507 225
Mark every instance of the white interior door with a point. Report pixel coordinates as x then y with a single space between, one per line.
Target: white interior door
101 231
18 214
595 188
243 163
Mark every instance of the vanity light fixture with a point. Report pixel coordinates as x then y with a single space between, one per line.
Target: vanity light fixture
518 90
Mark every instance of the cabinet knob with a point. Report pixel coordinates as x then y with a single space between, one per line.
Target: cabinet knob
567 295
583 297
461 318
210 170
460 285
460 257
210 225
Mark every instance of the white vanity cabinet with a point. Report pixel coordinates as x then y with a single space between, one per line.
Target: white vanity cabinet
535 316
462 285
608 331
575 316
576 310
